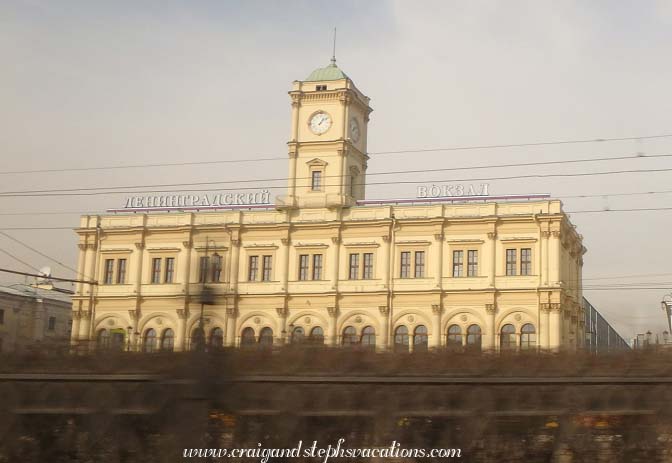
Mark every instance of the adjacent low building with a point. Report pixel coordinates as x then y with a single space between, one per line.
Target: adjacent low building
325 266
34 317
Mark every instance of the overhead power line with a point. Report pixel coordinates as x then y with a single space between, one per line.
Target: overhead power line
86 192
584 196
18 260
649 209
70 280
40 253
397 172
374 153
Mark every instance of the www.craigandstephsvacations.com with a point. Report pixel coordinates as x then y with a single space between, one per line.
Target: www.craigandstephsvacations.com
264 454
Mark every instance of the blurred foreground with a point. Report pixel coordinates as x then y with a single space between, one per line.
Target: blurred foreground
148 408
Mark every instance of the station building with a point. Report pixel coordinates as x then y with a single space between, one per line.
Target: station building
323 265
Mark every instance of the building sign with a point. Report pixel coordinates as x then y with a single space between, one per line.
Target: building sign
194 201
457 190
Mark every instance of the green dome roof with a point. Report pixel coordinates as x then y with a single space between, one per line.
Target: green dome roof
331 72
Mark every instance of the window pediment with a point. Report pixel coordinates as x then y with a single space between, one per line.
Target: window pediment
316 162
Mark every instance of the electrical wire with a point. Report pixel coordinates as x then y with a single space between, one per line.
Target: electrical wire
374 153
19 260
284 179
86 192
41 253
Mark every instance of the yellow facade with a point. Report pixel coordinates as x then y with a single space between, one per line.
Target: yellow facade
280 274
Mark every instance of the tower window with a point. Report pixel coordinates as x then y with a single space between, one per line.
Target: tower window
320 88
316 180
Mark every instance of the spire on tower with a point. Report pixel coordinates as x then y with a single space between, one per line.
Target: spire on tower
333 54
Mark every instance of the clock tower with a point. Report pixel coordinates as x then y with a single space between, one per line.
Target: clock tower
327 144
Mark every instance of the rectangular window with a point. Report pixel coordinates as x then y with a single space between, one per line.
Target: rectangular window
170 270
472 263
316 180
109 270
156 270
2 316
216 268
253 268
526 261
320 88
203 264
52 324
267 267
317 266
303 266
121 271
458 261
419 264
405 267
354 267
510 262
368 266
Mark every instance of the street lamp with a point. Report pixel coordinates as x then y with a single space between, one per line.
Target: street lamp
666 305
207 294
129 330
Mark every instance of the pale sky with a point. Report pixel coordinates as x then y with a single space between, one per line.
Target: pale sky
87 83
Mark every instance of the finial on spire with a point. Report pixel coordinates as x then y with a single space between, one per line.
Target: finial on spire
333 54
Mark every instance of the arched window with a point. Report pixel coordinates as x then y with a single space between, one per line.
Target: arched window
247 337
167 340
507 337
349 336
149 341
454 336
368 338
401 339
316 336
197 339
103 339
216 338
266 337
298 335
420 339
528 337
474 337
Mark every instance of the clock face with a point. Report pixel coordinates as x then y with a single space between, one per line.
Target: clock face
354 130
320 122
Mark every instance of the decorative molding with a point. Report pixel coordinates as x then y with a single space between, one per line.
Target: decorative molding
545 307
336 240
437 309
370 244
556 233
282 311
384 310
139 246
182 314
492 235
386 238
235 242
333 311
545 234
285 241
81 246
439 236
187 244
231 311
85 315
555 307
491 308
77 314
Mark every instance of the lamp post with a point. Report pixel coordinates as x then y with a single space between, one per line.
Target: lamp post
129 330
666 305
207 295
